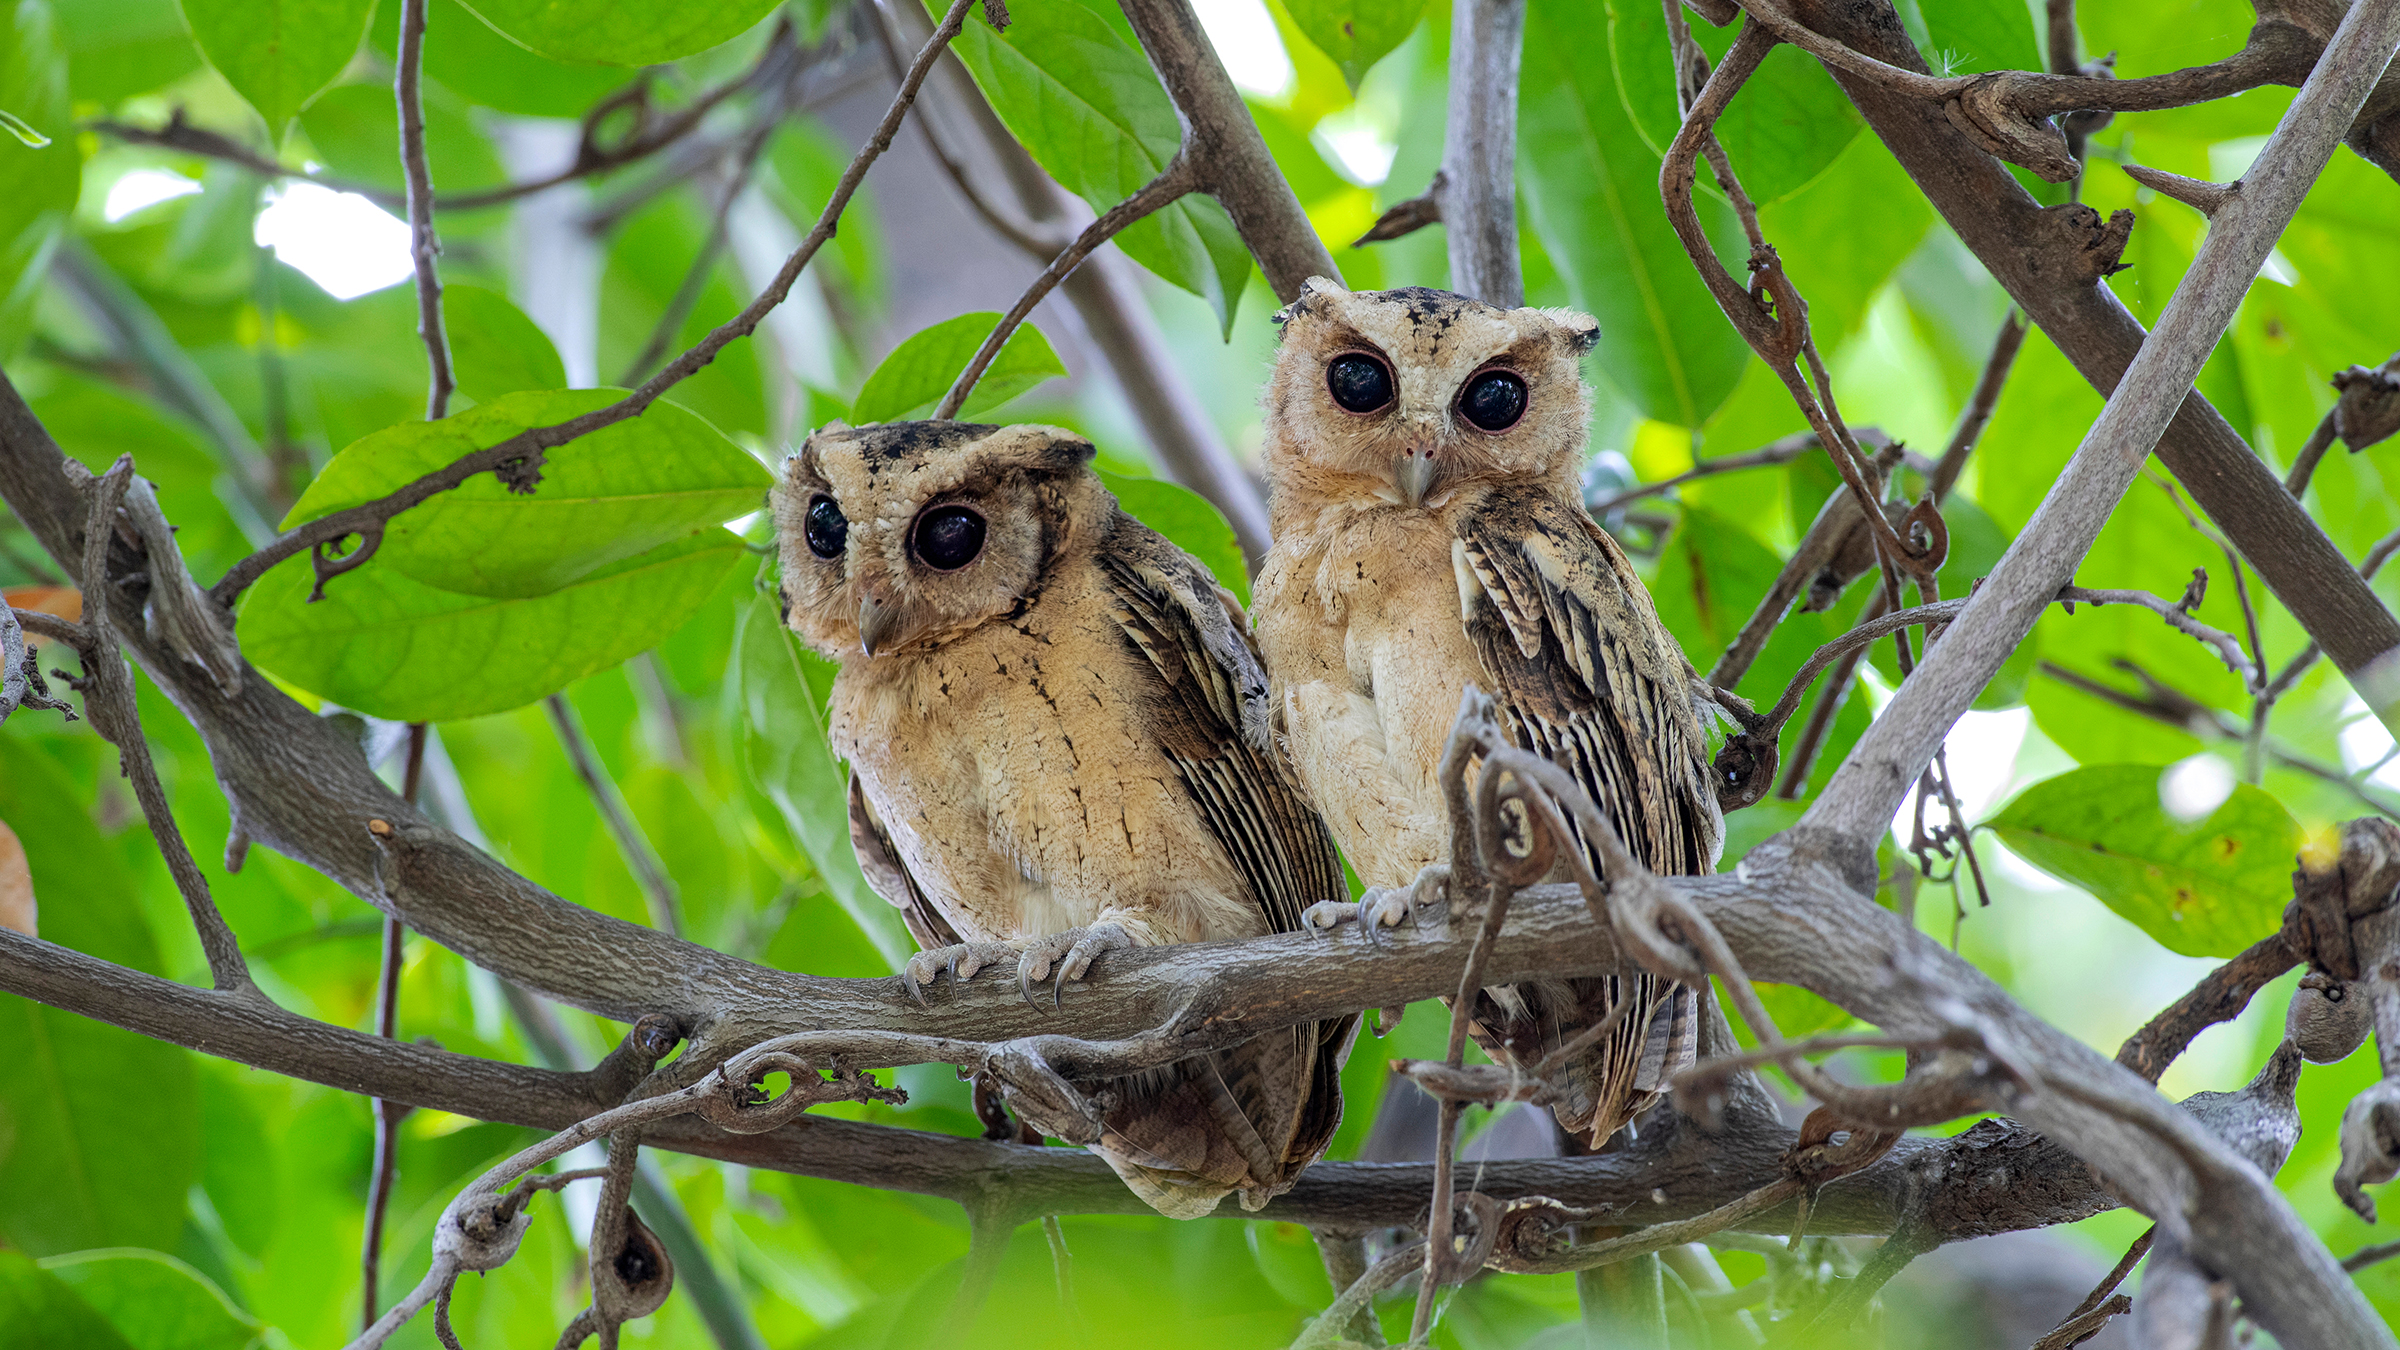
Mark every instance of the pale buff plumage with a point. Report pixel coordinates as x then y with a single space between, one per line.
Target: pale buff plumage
1415 553
1061 745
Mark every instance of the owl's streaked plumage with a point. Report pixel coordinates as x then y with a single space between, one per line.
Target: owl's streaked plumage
1422 451
1057 732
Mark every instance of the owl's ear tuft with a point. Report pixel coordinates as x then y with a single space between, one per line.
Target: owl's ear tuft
1069 451
1580 330
1310 291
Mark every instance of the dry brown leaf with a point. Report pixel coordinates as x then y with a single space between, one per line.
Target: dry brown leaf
64 601
16 884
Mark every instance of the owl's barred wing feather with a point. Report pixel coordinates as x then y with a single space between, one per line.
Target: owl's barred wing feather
1584 676
884 870
1211 721
1273 1102
1578 663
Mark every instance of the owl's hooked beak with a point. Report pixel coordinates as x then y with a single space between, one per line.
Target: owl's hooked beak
1414 474
876 622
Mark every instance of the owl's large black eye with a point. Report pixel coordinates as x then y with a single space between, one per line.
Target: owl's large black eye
1493 400
948 537
1358 382
826 527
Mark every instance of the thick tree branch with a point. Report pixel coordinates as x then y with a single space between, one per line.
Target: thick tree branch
2037 254
1225 150
1476 187
2044 555
1995 1179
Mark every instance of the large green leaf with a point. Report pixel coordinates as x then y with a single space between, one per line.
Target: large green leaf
2209 887
125 47
1591 189
777 686
155 1301
464 54
39 1312
913 379
38 186
1356 33
99 1128
1966 37
278 54
354 130
392 647
1085 105
1189 522
610 32
494 348
1785 126
622 491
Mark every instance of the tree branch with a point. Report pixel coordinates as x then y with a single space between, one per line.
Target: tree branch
1896 748
1476 187
1228 156
2037 254
1171 185
641 858
424 246
593 157
1107 298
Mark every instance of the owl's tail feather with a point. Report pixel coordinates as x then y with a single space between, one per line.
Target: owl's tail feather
1622 1075
1247 1119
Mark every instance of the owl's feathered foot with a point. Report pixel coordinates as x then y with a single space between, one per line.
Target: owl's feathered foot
1382 907
959 961
1072 952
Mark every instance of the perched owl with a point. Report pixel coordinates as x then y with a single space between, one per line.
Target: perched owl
1057 733
1422 450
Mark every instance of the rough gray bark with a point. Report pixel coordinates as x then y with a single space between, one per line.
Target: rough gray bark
1478 183
2041 255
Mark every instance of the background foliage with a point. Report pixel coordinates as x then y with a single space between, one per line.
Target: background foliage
227 1212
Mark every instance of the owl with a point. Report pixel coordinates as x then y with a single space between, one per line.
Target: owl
1422 453
1058 742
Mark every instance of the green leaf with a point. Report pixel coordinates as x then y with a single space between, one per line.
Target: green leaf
155 1301
912 380
125 47
1189 522
39 1312
778 687
622 491
2203 888
37 187
392 647
354 129
1967 37
465 55
1086 106
494 348
1591 190
1788 123
81 1164
278 54
610 33
1355 34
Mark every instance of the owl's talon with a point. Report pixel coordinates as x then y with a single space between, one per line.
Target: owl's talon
1322 918
1070 953
959 961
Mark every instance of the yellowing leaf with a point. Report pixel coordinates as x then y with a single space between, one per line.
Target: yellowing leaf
2207 887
